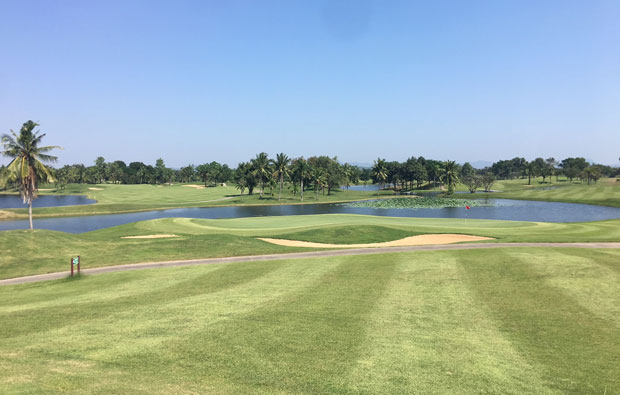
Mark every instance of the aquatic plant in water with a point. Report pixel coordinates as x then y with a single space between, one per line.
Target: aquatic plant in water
420 202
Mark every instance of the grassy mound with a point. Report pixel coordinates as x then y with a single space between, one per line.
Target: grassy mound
350 234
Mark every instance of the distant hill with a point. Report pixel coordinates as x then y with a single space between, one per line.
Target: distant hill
361 165
480 164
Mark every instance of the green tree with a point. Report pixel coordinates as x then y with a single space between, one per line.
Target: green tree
160 171
467 170
380 172
449 175
244 173
488 179
472 182
301 170
187 173
261 170
101 169
27 166
203 171
281 169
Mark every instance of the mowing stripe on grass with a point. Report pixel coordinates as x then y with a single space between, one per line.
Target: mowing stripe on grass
429 325
305 342
569 343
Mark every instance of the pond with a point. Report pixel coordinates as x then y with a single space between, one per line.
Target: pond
500 209
15 201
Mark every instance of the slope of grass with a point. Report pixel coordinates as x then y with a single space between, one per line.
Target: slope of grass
606 192
508 321
43 251
350 234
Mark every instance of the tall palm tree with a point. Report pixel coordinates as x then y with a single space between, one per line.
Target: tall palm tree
261 170
27 165
449 175
380 172
302 169
281 169
347 173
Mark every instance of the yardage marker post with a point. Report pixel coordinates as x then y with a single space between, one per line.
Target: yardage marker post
75 262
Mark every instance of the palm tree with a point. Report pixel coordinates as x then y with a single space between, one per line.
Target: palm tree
261 170
348 174
281 169
241 185
449 175
319 177
302 169
27 165
380 172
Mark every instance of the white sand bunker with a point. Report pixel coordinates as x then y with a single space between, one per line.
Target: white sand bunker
195 186
445 238
162 236
95 189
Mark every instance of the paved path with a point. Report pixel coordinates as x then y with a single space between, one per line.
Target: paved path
297 255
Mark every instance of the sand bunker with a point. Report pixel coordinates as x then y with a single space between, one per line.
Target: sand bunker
195 186
446 238
7 214
95 189
162 236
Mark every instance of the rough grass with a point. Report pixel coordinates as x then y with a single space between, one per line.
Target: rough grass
43 251
508 321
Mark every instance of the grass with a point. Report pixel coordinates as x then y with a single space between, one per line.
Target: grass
606 192
350 234
112 198
43 251
481 321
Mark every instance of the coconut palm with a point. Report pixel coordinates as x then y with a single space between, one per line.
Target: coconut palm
281 169
27 166
319 177
348 174
380 172
449 175
302 169
261 170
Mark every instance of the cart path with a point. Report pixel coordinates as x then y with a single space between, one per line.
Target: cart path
297 255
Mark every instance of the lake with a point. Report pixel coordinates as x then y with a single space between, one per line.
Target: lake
15 201
500 209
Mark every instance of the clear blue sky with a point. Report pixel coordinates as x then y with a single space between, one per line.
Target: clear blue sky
194 82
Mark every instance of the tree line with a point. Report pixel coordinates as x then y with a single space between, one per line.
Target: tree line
322 173
317 173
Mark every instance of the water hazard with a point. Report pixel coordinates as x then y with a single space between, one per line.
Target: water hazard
499 209
15 201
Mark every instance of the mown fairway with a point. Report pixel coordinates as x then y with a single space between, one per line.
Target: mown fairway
113 198
43 251
502 321
605 192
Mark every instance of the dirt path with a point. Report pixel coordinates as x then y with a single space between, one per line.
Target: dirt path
297 255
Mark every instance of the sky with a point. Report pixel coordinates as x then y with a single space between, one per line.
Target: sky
198 81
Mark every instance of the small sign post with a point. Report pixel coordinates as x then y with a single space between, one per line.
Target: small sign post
75 262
